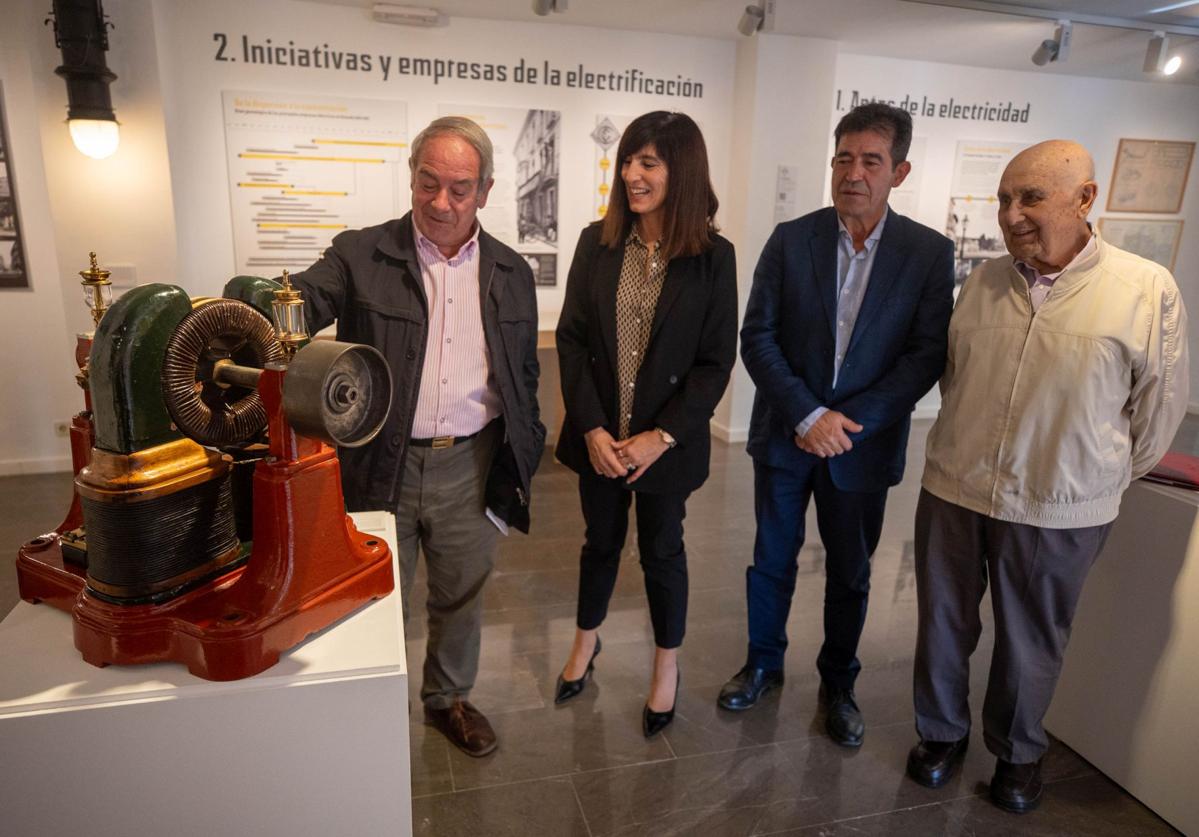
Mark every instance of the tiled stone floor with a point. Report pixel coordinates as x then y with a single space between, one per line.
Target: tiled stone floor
585 769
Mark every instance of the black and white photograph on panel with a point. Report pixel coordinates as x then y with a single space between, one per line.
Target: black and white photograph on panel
544 267
522 208
537 151
973 224
12 254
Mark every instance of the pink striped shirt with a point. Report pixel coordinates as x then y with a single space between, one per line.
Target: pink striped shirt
457 394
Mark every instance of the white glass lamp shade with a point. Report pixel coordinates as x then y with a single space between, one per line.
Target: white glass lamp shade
97 138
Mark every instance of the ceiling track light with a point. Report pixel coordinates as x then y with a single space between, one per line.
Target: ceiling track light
1057 48
407 15
757 18
1158 58
544 7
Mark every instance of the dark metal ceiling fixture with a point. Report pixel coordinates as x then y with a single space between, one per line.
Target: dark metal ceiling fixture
81 33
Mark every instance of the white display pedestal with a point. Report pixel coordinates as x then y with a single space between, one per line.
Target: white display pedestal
1128 699
315 745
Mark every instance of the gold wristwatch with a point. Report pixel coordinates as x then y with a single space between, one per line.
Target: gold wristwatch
666 437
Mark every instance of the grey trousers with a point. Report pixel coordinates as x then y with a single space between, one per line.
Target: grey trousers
441 514
1036 576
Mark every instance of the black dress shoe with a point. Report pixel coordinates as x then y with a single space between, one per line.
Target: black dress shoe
746 686
568 689
653 722
842 718
932 763
1016 787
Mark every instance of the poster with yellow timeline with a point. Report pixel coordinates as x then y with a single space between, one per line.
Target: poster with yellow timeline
304 168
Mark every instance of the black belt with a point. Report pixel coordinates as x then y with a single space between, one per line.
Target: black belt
439 442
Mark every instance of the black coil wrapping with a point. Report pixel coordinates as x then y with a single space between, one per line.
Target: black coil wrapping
202 409
136 549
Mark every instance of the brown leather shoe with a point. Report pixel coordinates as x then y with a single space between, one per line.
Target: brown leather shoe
466 727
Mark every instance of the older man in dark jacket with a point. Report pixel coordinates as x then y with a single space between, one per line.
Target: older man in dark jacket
455 313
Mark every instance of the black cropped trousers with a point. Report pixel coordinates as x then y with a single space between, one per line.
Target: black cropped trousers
606 505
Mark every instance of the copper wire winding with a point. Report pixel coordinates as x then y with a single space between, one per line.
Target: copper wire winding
200 408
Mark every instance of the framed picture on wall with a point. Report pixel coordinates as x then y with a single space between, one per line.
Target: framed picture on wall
12 253
1150 176
1156 240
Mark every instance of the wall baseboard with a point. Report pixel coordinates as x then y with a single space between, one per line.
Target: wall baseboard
43 465
729 435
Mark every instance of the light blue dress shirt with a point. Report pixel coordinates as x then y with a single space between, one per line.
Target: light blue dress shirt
853 276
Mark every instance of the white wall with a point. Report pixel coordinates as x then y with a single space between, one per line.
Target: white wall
119 207
783 90
768 101
37 374
70 204
193 81
1095 112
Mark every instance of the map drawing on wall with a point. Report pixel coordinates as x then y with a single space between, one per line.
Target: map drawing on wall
1154 240
12 255
605 138
1150 176
973 221
304 168
522 209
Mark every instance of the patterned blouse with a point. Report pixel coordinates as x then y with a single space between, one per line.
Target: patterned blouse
641 277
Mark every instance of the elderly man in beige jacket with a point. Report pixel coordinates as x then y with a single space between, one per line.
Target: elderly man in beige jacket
1066 379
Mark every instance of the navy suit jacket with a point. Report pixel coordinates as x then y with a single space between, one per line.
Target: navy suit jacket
896 353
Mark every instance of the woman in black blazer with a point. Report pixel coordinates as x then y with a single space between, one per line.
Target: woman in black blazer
646 342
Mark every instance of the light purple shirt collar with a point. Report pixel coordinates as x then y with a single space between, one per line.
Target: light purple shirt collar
1035 277
430 252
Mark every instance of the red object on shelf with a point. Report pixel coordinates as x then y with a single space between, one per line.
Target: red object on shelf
309 567
1177 469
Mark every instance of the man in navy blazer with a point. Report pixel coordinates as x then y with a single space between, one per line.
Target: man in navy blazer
845 329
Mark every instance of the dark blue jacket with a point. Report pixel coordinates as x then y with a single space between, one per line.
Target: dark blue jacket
897 351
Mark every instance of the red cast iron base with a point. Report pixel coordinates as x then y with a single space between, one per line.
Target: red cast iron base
309 568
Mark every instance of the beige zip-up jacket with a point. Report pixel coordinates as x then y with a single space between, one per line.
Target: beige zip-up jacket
1046 416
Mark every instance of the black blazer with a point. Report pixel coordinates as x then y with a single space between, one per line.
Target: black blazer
691 351
895 355
369 281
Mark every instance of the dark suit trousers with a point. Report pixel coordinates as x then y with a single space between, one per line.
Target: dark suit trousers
659 540
850 524
1036 576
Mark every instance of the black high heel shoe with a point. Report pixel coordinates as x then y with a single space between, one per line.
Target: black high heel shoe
653 722
568 689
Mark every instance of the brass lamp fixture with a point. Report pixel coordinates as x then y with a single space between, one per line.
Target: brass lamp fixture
81 32
97 290
288 310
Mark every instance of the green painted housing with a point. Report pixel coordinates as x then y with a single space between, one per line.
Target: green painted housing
253 290
126 368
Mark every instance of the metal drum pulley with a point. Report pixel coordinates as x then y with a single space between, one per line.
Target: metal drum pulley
337 392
